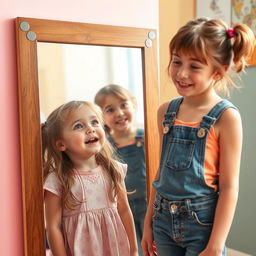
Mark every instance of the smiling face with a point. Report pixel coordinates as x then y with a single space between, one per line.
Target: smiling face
190 75
83 135
118 113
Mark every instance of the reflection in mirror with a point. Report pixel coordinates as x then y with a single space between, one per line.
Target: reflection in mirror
77 72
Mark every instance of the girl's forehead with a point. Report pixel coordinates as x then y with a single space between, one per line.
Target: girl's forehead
111 98
193 55
81 111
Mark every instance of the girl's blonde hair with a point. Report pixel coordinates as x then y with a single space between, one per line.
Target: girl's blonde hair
114 89
58 162
210 41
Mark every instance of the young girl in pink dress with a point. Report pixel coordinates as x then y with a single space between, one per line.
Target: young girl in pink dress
86 206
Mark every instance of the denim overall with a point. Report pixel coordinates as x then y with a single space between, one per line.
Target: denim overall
134 156
184 206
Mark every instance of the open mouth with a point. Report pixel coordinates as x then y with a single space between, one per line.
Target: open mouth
92 140
184 85
121 121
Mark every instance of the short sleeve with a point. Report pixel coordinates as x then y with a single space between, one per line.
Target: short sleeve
52 184
123 170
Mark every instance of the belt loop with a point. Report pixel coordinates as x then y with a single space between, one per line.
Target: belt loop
160 202
188 205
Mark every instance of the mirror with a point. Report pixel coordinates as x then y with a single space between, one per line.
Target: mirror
29 34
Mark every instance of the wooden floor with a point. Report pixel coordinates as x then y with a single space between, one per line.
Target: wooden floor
231 252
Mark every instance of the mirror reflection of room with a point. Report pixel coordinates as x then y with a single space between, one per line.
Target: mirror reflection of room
78 72
119 110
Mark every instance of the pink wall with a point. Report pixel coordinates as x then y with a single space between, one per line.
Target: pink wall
134 13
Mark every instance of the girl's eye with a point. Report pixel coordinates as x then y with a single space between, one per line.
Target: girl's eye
109 110
175 62
78 126
195 67
95 122
124 105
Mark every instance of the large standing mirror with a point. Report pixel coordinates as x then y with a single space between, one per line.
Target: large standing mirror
35 39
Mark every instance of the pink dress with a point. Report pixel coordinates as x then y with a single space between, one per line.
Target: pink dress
95 227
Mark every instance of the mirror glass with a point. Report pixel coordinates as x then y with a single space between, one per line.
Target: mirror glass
76 72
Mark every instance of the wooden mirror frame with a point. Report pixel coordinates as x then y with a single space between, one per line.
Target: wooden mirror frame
28 32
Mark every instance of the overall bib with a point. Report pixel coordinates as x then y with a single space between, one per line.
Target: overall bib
134 156
183 211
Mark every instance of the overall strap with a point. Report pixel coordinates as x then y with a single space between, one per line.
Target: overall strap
140 133
112 142
215 113
171 111
139 137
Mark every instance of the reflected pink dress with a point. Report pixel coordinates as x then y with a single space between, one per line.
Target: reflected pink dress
95 227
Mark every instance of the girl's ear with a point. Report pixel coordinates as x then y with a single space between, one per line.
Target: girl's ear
60 145
217 75
134 103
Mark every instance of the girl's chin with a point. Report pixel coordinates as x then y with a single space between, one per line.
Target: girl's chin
183 89
123 125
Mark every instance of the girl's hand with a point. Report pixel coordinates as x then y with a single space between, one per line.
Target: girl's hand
147 242
134 253
210 252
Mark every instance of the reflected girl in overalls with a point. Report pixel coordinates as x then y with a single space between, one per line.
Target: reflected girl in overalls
119 108
194 196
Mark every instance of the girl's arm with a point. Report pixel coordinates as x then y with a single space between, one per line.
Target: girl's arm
147 238
127 219
53 213
230 139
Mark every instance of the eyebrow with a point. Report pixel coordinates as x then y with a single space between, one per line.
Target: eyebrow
81 119
108 106
193 59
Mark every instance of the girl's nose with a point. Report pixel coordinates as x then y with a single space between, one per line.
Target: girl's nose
119 112
90 129
182 73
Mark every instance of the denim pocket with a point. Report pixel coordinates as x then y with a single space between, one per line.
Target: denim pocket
204 217
180 153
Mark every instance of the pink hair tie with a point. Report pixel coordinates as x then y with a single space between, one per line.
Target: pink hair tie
43 124
231 33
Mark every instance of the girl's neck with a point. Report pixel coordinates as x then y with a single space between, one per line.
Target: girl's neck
202 99
124 137
192 109
86 165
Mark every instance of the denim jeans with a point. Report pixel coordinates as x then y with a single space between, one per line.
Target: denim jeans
134 156
183 228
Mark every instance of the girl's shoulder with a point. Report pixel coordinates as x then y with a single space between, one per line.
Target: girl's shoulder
51 176
53 184
166 106
122 168
229 118
163 109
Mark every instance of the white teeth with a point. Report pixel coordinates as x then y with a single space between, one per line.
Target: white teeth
183 84
92 140
121 120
